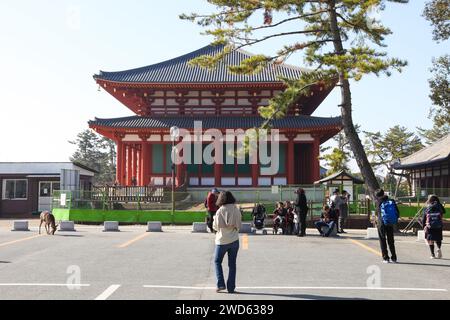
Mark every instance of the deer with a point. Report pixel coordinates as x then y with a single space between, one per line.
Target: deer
49 221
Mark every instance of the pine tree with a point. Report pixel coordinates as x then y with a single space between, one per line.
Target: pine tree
340 155
438 13
385 150
98 153
337 37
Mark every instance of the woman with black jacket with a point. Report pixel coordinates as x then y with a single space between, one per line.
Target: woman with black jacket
432 222
301 207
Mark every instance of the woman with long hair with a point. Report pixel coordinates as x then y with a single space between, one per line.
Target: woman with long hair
432 222
227 223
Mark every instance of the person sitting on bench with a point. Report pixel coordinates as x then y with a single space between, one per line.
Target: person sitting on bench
327 219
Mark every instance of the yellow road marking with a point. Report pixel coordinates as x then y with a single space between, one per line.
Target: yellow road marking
245 242
362 245
140 237
18 240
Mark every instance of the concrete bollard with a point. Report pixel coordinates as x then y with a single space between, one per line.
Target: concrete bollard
20 225
420 235
111 226
372 233
67 226
154 226
246 228
199 227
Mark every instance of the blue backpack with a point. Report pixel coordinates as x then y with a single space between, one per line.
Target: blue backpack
388 212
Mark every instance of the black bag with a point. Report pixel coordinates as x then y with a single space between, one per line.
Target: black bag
434 220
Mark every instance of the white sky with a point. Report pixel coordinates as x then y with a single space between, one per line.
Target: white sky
50 49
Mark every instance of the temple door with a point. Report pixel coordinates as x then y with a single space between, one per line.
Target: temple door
303 166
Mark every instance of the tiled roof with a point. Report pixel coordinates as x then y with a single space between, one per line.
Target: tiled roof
438 151
297 122
339 176
179 71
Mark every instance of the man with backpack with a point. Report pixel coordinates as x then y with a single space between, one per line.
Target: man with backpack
211 207
388 215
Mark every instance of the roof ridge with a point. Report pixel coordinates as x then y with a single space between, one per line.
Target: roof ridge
162 72
193 53
206 116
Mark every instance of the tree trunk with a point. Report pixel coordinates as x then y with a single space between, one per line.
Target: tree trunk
346 110
408 179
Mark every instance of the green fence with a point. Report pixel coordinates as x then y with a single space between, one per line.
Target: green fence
138 204
133 216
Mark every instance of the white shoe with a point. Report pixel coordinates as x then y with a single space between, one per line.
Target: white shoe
385 261
432 257
439 254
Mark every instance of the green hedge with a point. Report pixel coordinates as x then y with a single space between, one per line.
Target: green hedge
132 216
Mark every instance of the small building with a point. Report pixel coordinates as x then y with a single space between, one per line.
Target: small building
174 93
429 169
26 188
342 180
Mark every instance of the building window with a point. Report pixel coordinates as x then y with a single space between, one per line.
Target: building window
282 159
202 169
15 189
46 189
235 165
161 159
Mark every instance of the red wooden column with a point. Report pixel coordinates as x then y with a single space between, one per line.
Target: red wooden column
290 159
149 162
135 162
180 170
138 164
315 159
129 164
218 167
141 172
181 173
119 159
144 163
255 169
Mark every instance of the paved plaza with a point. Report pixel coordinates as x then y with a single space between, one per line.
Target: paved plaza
178 264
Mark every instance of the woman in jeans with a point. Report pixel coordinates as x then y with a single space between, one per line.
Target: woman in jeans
227 223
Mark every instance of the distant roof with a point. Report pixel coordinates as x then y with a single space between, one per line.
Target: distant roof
178 70
43 168
438 151
340 176
216 122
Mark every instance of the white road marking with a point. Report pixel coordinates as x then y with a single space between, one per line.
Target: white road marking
301 288
179 287
42 285
108 292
